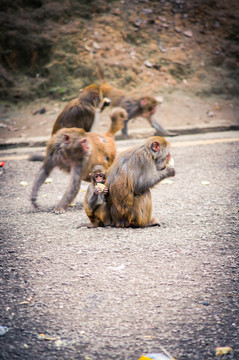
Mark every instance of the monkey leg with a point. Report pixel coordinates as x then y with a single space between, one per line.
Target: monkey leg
71 191
137 214
160 130
102 213
40 178
125 128
142 210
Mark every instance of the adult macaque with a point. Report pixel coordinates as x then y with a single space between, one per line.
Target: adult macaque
135 106
144 106
130 178
95 204
77 152
80 112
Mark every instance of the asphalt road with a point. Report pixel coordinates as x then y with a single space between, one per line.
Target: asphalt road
70 293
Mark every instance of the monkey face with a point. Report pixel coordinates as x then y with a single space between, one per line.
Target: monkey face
148 105
99 178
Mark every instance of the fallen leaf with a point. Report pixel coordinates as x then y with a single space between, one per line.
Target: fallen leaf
23 183
48 181
45 337
223 350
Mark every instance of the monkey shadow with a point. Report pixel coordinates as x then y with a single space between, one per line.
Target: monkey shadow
50 209
113 227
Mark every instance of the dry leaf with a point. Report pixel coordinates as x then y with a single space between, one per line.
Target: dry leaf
223 350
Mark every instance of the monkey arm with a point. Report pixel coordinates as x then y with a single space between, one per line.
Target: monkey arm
93 201
144 184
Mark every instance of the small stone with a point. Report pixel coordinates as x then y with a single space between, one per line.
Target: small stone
188 33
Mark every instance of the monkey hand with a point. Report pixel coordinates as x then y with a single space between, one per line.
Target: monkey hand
59 210
170 161
97 191
99 188
105 190
170 171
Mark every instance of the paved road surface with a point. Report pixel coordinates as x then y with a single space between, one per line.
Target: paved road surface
102 294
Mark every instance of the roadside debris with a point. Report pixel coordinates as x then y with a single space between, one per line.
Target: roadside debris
3 330
40 111
48 181
163 355
223 350
23 183
45 337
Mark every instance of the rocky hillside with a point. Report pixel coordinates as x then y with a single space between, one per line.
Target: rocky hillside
51 48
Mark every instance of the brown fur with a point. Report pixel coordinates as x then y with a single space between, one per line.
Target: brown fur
80 112
144 106
66 149
130 178
95 201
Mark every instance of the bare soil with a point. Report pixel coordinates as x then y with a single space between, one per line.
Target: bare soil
184 53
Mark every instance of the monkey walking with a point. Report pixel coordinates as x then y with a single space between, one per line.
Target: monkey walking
95 204
144 106
81 112
77 152
130 178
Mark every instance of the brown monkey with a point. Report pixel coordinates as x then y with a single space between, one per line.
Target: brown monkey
135 106
77 152
130 178
80 112
95 204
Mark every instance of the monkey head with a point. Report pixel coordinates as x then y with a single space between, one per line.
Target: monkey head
70 143
148 105
93 95
98 174
160 152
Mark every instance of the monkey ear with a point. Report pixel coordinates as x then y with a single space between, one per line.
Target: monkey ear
66 139
155 146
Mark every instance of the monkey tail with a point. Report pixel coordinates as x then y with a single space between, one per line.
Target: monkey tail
101 73
36 157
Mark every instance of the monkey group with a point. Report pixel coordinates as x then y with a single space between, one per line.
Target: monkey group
119 190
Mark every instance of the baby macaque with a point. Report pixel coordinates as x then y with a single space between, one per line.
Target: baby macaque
95 204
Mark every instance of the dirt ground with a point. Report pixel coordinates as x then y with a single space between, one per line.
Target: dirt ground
177 112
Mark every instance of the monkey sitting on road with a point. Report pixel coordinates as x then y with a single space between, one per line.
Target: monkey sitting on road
77 152
130 178
95 204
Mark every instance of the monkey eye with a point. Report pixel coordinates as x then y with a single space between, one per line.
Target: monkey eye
99 175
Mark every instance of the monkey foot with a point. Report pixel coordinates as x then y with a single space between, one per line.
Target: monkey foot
59 211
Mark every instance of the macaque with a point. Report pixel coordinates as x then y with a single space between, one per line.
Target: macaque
80 112
135 106
130 178
77 152
95 199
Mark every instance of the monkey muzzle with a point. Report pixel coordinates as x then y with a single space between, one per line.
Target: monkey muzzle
99 178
